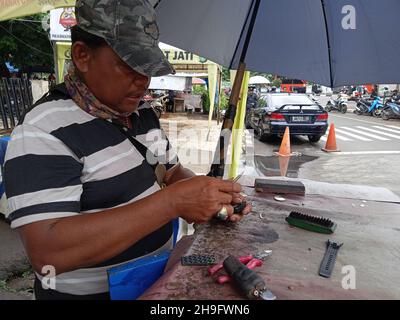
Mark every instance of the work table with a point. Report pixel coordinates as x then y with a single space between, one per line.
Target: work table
370 231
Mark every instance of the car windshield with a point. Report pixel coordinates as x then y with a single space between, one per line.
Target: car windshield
280 100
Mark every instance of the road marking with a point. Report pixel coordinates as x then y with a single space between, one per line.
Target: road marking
351 118
338 136
344 153
365 133
352 135
382 133
395 127
387 129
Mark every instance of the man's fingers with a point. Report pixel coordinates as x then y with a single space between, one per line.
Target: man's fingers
238 216
247 209
229 209
229 186
235 217
224 197
237 198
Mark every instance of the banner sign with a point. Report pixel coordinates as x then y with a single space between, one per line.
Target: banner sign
61 21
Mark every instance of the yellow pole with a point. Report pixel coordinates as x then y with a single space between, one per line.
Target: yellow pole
212 85
238 126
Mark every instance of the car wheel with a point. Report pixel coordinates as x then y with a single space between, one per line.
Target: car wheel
313 138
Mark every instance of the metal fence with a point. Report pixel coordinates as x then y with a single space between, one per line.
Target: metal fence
15 98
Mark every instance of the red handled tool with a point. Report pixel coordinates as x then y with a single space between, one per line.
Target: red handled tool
251 262
249 282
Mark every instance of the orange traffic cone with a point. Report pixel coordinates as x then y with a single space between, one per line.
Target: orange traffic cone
331 142
284 150
284 165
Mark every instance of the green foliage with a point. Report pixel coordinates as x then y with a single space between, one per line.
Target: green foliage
205 97
25 44
261 103
226 76
265 75
277 82
224 100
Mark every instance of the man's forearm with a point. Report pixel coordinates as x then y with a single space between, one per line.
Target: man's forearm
86 240
178 173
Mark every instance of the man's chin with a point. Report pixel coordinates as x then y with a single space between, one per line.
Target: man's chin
129 105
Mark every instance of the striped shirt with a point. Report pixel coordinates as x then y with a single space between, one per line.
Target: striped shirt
63 162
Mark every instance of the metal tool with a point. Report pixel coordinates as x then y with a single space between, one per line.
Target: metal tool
252 285
197 260
223 214
244 259
252 264
279 198
238 177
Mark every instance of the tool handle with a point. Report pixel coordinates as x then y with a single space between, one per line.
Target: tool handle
214 269
253 263
249 282
223 279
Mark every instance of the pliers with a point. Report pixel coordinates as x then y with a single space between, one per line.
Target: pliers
251 262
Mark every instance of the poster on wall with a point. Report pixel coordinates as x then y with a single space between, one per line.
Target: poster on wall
61 21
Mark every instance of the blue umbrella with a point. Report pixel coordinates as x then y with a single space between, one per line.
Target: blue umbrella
329 42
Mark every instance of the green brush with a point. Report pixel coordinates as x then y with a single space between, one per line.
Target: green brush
311 223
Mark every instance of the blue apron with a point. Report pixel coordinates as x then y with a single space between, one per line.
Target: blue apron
130 280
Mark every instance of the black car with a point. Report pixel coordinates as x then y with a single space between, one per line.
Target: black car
302 115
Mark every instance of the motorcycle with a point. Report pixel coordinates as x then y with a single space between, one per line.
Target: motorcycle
340 104
369 107
391 110
156 104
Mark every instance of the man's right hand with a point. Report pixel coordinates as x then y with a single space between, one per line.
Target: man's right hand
200 198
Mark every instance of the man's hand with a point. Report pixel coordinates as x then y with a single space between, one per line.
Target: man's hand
199 199
237 199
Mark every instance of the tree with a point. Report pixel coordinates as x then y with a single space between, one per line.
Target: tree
25 43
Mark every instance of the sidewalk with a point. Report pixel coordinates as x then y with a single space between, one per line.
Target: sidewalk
13 263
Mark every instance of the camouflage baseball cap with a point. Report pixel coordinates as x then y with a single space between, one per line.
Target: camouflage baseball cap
130 28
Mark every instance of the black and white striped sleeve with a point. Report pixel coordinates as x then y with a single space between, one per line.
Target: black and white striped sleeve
42 177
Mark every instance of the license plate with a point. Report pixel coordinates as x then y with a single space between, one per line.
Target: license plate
300 118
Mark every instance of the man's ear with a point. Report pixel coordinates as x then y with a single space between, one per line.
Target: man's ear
81 55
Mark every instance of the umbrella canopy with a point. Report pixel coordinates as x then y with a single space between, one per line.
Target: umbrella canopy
10 9
259 80
198 81
168 83
329 42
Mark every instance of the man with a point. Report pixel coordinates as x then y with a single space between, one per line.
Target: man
170 101
252 99
83 188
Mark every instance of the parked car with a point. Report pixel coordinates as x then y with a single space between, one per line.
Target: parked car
301 114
